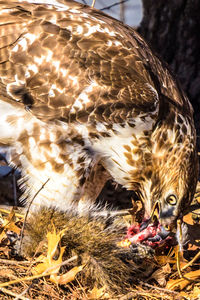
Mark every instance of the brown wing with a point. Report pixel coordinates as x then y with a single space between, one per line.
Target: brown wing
69 62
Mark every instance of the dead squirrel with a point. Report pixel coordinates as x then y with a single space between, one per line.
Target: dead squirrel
95 242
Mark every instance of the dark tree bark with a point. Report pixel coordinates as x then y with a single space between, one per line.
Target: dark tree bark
172 28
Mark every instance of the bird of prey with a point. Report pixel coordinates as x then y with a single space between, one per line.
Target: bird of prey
84 99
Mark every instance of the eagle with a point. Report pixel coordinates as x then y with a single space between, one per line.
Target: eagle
83 99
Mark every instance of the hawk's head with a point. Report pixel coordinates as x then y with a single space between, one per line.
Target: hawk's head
169 188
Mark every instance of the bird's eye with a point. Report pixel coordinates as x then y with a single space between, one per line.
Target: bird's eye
171 200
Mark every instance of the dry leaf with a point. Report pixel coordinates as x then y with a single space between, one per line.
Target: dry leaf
185 295
48 262
192 247
8 223
196 293
2 236
98 293
5 251
7 273
160 274
181 283
67 277
188 219
163 259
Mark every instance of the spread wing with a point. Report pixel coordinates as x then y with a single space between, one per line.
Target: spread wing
69 62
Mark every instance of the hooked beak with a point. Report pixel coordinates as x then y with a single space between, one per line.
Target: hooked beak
155 212
155 216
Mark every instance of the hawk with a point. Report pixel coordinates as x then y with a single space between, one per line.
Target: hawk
83 99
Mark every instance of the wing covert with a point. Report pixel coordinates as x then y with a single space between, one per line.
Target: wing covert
73 64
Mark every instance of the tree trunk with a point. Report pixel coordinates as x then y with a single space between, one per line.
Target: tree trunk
172 29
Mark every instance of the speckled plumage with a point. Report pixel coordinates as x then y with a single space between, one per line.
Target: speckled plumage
82 99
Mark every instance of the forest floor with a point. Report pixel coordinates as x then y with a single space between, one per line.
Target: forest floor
28 278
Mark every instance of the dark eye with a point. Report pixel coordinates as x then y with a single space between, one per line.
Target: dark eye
171 200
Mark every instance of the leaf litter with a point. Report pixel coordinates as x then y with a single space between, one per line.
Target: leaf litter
42 277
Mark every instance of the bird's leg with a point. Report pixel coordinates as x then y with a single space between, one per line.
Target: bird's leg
179 222
180 250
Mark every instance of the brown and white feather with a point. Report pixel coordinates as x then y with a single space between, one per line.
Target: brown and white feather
80 92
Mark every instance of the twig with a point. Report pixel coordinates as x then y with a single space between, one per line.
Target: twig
93 3
82 288
39 275
24 292
14 262
191 262
145 293
64 263
5 291
19 280
27 212
122 11
130 295
115 4
160 289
